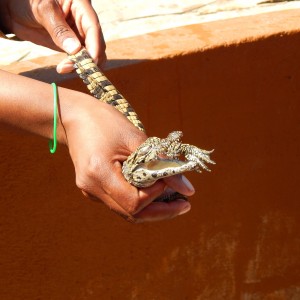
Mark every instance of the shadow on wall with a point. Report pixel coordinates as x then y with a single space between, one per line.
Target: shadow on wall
241 239
49 74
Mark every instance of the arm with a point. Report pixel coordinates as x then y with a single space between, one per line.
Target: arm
86 121
83 120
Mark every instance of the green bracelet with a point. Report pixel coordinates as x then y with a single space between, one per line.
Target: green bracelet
52 145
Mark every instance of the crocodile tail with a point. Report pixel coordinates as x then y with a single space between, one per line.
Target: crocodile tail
101 88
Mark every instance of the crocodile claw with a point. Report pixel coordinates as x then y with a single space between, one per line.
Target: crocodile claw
159 158
199 156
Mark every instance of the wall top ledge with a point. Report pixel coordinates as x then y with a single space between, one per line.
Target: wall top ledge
173 42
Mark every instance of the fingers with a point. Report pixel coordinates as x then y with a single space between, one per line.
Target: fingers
85 27
180 184
94 39
88 26
131 199
56 25
112 205
135 205
65 66
158 211
143 209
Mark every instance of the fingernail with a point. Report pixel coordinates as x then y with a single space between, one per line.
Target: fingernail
182 200
70 45
94 56
187 184
65 68
185 209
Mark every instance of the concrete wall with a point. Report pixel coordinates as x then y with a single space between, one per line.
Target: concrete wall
241 239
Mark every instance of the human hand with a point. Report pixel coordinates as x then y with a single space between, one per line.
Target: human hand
100 139
56 24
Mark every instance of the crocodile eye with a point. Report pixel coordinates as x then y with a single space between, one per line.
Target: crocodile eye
145 149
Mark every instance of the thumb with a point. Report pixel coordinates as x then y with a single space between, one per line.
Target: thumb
61 33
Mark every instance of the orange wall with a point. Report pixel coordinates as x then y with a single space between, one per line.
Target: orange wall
241 239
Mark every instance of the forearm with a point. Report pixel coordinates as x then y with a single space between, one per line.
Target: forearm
28 104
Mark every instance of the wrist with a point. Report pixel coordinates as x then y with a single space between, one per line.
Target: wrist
73 106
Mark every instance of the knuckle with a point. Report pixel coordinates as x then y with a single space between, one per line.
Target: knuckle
93 167
127 217
133 207
51 8
86 174
132 219
60 30
81 183
44 6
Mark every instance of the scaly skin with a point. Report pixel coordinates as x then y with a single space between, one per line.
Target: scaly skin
101 87
156 158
